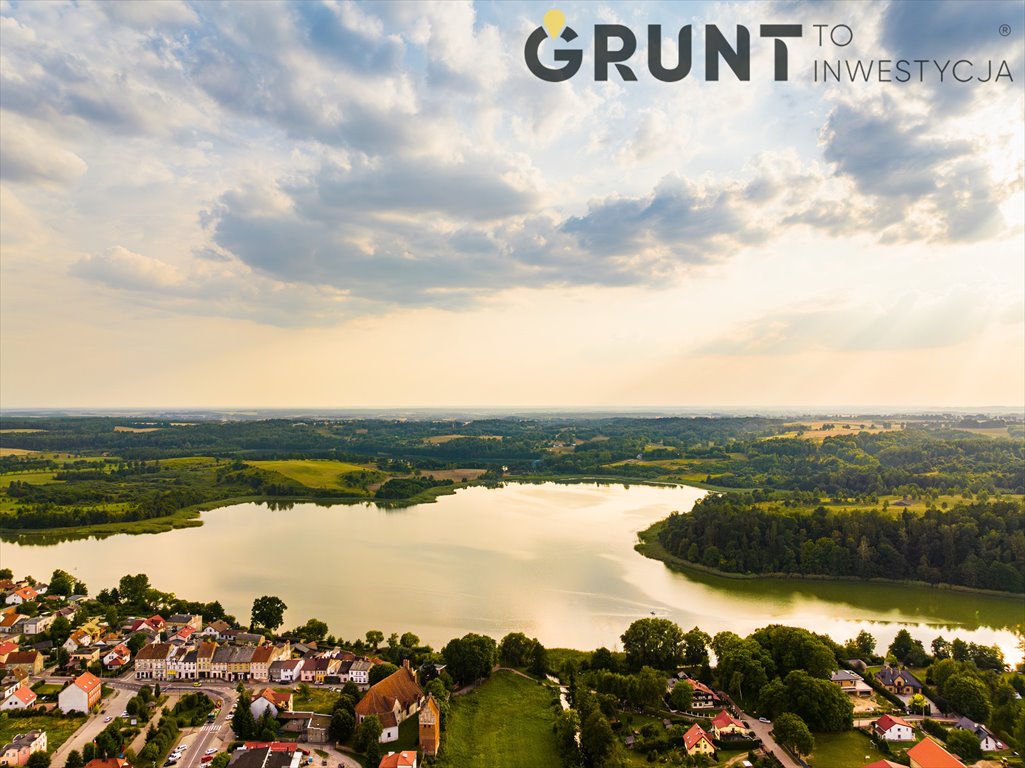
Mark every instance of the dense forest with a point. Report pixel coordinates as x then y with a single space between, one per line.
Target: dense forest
977 544
80 472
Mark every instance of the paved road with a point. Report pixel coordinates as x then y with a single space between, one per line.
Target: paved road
764 732
215 735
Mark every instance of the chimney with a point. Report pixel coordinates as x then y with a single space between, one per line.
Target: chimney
405 664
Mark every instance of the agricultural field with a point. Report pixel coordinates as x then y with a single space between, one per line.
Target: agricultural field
506 723
455 475
15 451
325 473
818 431
440 439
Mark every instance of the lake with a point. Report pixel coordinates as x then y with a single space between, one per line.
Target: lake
553 560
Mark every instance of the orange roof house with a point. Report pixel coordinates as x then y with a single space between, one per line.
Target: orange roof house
724 722
22 698
929 754
696 741
398 760
81 695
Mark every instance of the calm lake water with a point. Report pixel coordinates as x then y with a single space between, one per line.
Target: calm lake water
554 561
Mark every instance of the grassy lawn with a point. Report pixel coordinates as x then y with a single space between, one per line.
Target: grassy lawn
320 700
506 723
319 473
409 736
58 729
47 689
843 750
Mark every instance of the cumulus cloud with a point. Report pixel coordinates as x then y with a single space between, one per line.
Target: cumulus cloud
338 157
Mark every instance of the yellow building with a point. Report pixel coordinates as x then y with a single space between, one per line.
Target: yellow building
697 742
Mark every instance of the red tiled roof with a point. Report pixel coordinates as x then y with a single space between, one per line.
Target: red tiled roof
24 694
725 719
262 654
398 760
694 735
886 722
274 746
885 764
153 651
22 657
278 699
700 687
87 681
929 754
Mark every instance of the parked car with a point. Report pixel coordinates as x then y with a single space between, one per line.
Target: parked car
107 719
206 758
764 720
210 751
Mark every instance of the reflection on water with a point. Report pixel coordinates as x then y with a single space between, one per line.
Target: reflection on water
552 560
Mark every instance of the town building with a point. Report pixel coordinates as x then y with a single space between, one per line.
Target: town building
81 694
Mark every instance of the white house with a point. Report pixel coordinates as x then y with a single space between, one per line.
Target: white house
987 741
22 697
36 624
23 595
81 694
891 728
271 700
359 672
285 671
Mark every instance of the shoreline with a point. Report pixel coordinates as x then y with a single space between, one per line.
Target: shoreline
649 546
188 517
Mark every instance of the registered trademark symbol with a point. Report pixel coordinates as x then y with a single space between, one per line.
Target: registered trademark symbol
1005 30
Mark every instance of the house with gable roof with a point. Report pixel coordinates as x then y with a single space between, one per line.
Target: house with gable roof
898 681
393 699
81 694
23 697
697 742
929 754
893 728
987 741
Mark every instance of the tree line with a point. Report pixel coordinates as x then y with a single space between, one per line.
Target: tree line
979 544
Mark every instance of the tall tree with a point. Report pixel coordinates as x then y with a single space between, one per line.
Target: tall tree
470 657
269 612
654 643
792 732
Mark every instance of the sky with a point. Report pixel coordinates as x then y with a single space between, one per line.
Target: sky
378 205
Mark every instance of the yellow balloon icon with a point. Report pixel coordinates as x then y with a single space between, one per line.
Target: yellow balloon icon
554 22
